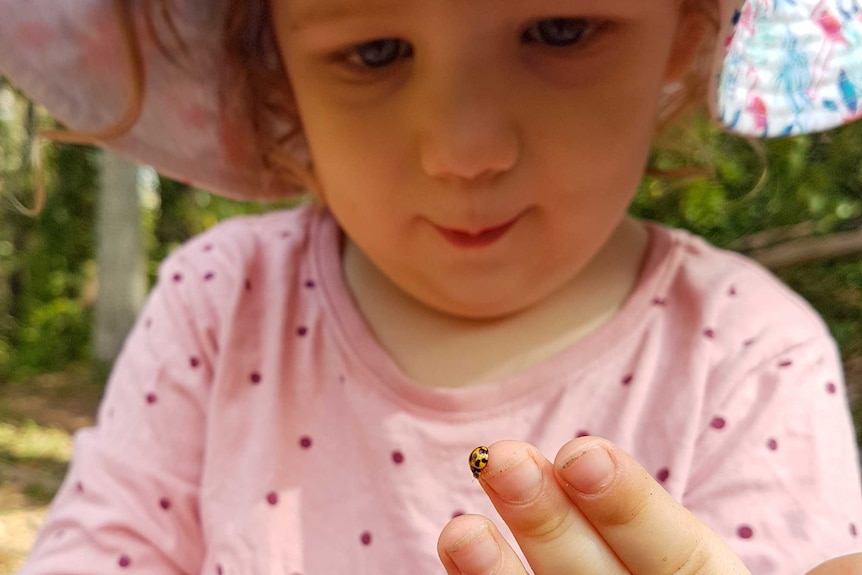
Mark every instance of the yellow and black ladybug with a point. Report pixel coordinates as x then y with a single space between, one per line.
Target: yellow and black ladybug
478 460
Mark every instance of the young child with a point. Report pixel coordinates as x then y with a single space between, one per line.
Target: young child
303 388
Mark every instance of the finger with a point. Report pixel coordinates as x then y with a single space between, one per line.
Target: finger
472 545
847 565
552 533
647 529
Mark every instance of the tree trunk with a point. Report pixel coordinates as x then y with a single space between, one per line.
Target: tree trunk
120 256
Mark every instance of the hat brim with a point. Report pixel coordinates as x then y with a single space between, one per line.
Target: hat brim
781 68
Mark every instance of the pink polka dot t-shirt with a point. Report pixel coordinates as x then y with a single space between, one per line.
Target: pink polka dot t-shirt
253 425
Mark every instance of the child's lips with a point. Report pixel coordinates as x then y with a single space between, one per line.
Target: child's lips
478 239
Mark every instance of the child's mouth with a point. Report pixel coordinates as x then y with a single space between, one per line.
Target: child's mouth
482 238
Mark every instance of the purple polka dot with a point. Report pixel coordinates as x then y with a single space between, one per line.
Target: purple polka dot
219 570
272 498
255 378
582 433
285 235
310 284
194 362
151 398
772 444
661 302
785 364
165 503
663 474
709 333
79 487
457 513
209 276
208 248
301 331
149 323
124 561
745 532
748 343
831 388
718 423
853 530
178 278
305 442
366 538
397 457
732 291
627 380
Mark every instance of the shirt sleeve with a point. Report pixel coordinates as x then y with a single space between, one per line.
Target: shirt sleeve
130 500
776 467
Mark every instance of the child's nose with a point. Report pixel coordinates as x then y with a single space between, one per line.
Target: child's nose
468 131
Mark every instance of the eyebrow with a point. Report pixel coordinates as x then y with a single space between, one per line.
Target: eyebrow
319 13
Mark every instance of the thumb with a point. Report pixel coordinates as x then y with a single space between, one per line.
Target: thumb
649 531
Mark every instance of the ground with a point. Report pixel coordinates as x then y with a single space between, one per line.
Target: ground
37 420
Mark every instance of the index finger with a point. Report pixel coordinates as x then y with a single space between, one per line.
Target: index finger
649 531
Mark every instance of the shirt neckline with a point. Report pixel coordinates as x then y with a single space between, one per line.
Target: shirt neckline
356 337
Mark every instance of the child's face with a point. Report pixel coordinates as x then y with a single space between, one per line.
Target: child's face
427 118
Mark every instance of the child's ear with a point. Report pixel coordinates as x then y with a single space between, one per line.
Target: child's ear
690 33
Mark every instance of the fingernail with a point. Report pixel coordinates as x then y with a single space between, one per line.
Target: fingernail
589 472
476 552
518 483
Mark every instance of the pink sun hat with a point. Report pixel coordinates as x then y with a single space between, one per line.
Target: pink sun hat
783 67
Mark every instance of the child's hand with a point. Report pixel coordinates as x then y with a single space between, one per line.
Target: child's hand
585 514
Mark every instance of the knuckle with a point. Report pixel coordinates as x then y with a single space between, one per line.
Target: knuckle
547 526
627 511
697 561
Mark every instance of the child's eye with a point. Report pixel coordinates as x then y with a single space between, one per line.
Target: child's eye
378 53
559 32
